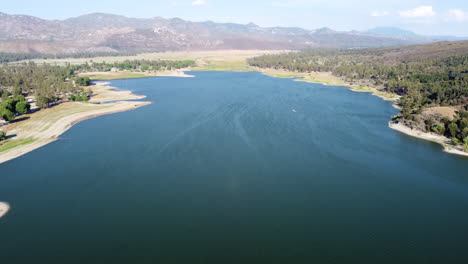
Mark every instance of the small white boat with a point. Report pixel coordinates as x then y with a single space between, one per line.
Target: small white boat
4 207
294 110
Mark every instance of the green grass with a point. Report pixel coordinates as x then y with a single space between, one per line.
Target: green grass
11 144
287 75
107 77
229 65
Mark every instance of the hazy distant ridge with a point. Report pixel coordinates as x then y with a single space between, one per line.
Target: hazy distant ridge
99 32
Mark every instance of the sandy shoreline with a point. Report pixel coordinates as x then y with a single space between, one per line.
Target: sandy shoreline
444 141
46 131
328 79
4 208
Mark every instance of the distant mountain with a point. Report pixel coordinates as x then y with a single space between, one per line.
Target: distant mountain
392 31
100 32
395 32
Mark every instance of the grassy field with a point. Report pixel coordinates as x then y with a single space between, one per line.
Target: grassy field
116 76
11 144
209 59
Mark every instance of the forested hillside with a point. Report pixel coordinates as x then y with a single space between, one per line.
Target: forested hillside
424 76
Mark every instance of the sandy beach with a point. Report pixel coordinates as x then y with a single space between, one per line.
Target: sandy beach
4 208
444 141
47 125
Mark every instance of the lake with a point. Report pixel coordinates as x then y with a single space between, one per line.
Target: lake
237 168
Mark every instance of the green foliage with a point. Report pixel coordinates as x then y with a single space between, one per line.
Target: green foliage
143 65
84 97
7 114
2 135
5 96
10 107
439 129
12 57
79 97
83 81
17 91
20 98
22 107
453 129
464 133
42 101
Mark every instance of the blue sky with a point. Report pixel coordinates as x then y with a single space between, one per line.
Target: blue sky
448 17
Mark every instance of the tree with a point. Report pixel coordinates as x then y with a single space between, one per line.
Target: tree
464 133
16 91
22 107
10 105
83 81
84 97
439 129
144 67
2 135
20 98
5 95
453 129
7 115
42 101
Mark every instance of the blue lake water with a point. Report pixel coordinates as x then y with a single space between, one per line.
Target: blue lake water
220 169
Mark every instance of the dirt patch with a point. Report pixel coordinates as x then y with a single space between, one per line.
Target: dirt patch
445 111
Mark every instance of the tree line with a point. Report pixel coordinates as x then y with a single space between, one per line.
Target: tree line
136 65
57 83
13 57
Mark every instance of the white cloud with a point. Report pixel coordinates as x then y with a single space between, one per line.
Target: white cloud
418 12
379 13
458 15
198 3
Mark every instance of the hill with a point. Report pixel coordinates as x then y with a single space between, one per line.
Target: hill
100 32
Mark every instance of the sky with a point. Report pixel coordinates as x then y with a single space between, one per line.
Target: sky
428 17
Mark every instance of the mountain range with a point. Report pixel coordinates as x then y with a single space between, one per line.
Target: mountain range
100 32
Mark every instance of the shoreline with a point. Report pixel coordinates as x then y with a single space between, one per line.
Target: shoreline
441 140
4 208
335 81
39 130
122 75
327 79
